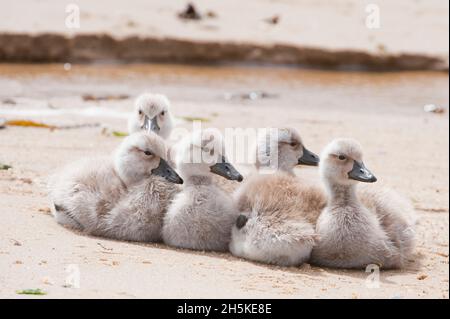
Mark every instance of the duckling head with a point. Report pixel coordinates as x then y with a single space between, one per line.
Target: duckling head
203 153
342 163
151 113
142 155
283 149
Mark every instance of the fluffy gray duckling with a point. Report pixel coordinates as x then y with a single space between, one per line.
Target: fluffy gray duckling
151 113
278 210
202 214
358 229
90 195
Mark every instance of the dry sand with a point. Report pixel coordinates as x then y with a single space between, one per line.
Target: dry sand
412 34
407 149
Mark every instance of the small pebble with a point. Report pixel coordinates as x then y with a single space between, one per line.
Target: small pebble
422 277
431 108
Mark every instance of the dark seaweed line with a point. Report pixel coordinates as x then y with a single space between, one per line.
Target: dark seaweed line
44 48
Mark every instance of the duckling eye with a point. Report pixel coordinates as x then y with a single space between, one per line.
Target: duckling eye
140 112
163 113
342 157
148 153
293 144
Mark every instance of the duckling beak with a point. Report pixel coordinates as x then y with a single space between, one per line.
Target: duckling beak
241 221
308 158
151 125
360 173
226 170
164 170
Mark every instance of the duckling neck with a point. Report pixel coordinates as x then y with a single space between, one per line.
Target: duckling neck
198 180
342 195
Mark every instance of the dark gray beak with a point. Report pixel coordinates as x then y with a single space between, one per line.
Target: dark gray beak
241 221
151 125
360 173
164 170
308 158
226 170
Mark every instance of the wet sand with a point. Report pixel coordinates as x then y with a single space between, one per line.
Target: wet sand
406 148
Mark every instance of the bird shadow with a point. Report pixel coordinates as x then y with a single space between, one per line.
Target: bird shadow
413 265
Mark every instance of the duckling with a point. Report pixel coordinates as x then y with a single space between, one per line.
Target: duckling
359 229
202 214
278 211
89 195
277 150
281 150
151 113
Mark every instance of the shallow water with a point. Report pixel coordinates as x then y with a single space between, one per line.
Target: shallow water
41 85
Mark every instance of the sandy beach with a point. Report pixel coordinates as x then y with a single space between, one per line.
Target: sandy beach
407 148
332 34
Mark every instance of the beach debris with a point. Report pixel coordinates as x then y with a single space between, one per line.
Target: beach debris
103 247
253 95
27 123
45 210
431 108
119 134
4 167
273 20
422 277
9 102
211 14
108 131
190 13
18 262
195 119
2 124
98 98
37 292
15 242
